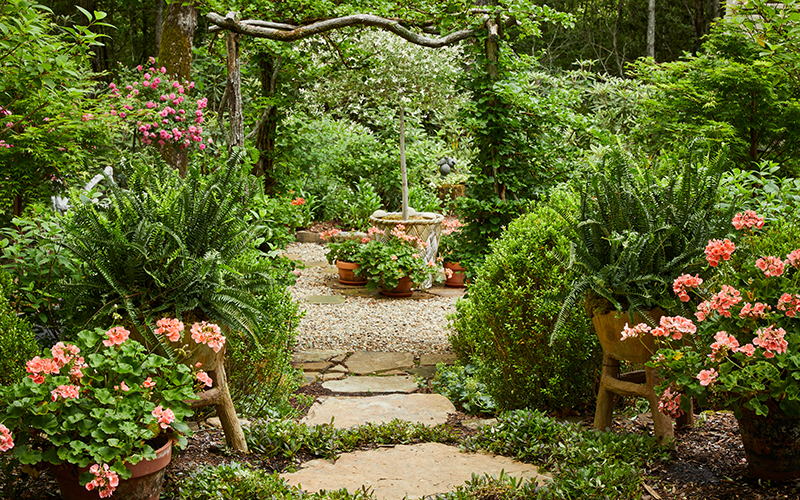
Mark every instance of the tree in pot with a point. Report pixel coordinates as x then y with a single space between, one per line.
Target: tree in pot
634 235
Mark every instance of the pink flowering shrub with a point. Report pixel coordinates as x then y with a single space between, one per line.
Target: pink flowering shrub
743 345
104 388
162 110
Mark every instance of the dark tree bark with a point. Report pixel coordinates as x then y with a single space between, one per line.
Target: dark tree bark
267 128
234 91
651 28
159 22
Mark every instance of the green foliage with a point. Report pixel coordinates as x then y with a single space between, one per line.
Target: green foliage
260 376
762 190
488 487
170 246
105 415
33 253
584 463
287 438
503 327
45 86
17 341
277 218
459 384
351 206
636 233
727 94
235 481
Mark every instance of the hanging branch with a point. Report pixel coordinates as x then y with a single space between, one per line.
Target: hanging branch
288 33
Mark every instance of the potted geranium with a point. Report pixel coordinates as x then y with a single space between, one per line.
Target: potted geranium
103 413
344 250
740 351
396 264
450 253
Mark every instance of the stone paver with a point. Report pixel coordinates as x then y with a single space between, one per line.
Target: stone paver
374 385
307 237
435 359
429 409
364 362
314 366
325 299
406 470
314 356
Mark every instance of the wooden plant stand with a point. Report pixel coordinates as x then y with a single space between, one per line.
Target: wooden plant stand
639 383
220 396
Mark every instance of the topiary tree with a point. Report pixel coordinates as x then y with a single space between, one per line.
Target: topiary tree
504 325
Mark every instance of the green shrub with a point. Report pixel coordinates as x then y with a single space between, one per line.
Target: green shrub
260 376
504 325
17 341
32 252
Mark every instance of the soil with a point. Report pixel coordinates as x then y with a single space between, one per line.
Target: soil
707 464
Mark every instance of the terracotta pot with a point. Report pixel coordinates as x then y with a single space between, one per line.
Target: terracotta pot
457 279
771 443
144 483
347 275
609 331
403 289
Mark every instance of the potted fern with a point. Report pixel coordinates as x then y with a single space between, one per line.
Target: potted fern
635 233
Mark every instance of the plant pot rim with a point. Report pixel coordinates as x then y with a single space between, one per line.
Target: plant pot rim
427 218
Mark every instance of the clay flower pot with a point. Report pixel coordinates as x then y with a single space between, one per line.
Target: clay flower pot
347 275
456 279
403 289
144 483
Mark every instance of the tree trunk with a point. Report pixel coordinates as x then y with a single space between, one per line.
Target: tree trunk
234 90
267 129
159 22
175 54
651 28
403 171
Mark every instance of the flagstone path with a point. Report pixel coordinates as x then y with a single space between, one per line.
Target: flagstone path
394 472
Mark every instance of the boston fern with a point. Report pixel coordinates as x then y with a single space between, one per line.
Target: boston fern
168 246
636 233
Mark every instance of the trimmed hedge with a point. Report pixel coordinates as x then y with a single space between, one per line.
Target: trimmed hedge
504 325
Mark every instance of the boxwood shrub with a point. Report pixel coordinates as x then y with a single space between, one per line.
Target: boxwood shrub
503 327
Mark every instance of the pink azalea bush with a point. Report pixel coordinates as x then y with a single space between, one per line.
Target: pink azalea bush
162 110
741 347
97 403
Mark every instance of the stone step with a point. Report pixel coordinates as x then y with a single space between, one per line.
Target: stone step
412 471
349 411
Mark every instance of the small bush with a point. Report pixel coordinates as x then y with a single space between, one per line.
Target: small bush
17 341
459 385
504 325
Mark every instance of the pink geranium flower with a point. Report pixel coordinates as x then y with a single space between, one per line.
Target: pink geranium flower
685 282
790 304
209 334
677 326
771 266
65 392
717 250
771 339
707 377
164 416
172 328
148 383
793 259
6 441
116 336
105 480
204 378
748 219
634 332
670 403
723 344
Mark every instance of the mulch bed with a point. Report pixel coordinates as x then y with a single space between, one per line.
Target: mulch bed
708 463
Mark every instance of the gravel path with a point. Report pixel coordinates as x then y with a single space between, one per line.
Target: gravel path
366 323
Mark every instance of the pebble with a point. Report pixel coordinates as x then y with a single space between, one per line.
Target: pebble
365 323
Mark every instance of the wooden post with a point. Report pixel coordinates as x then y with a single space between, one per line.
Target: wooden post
234 436
234 89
